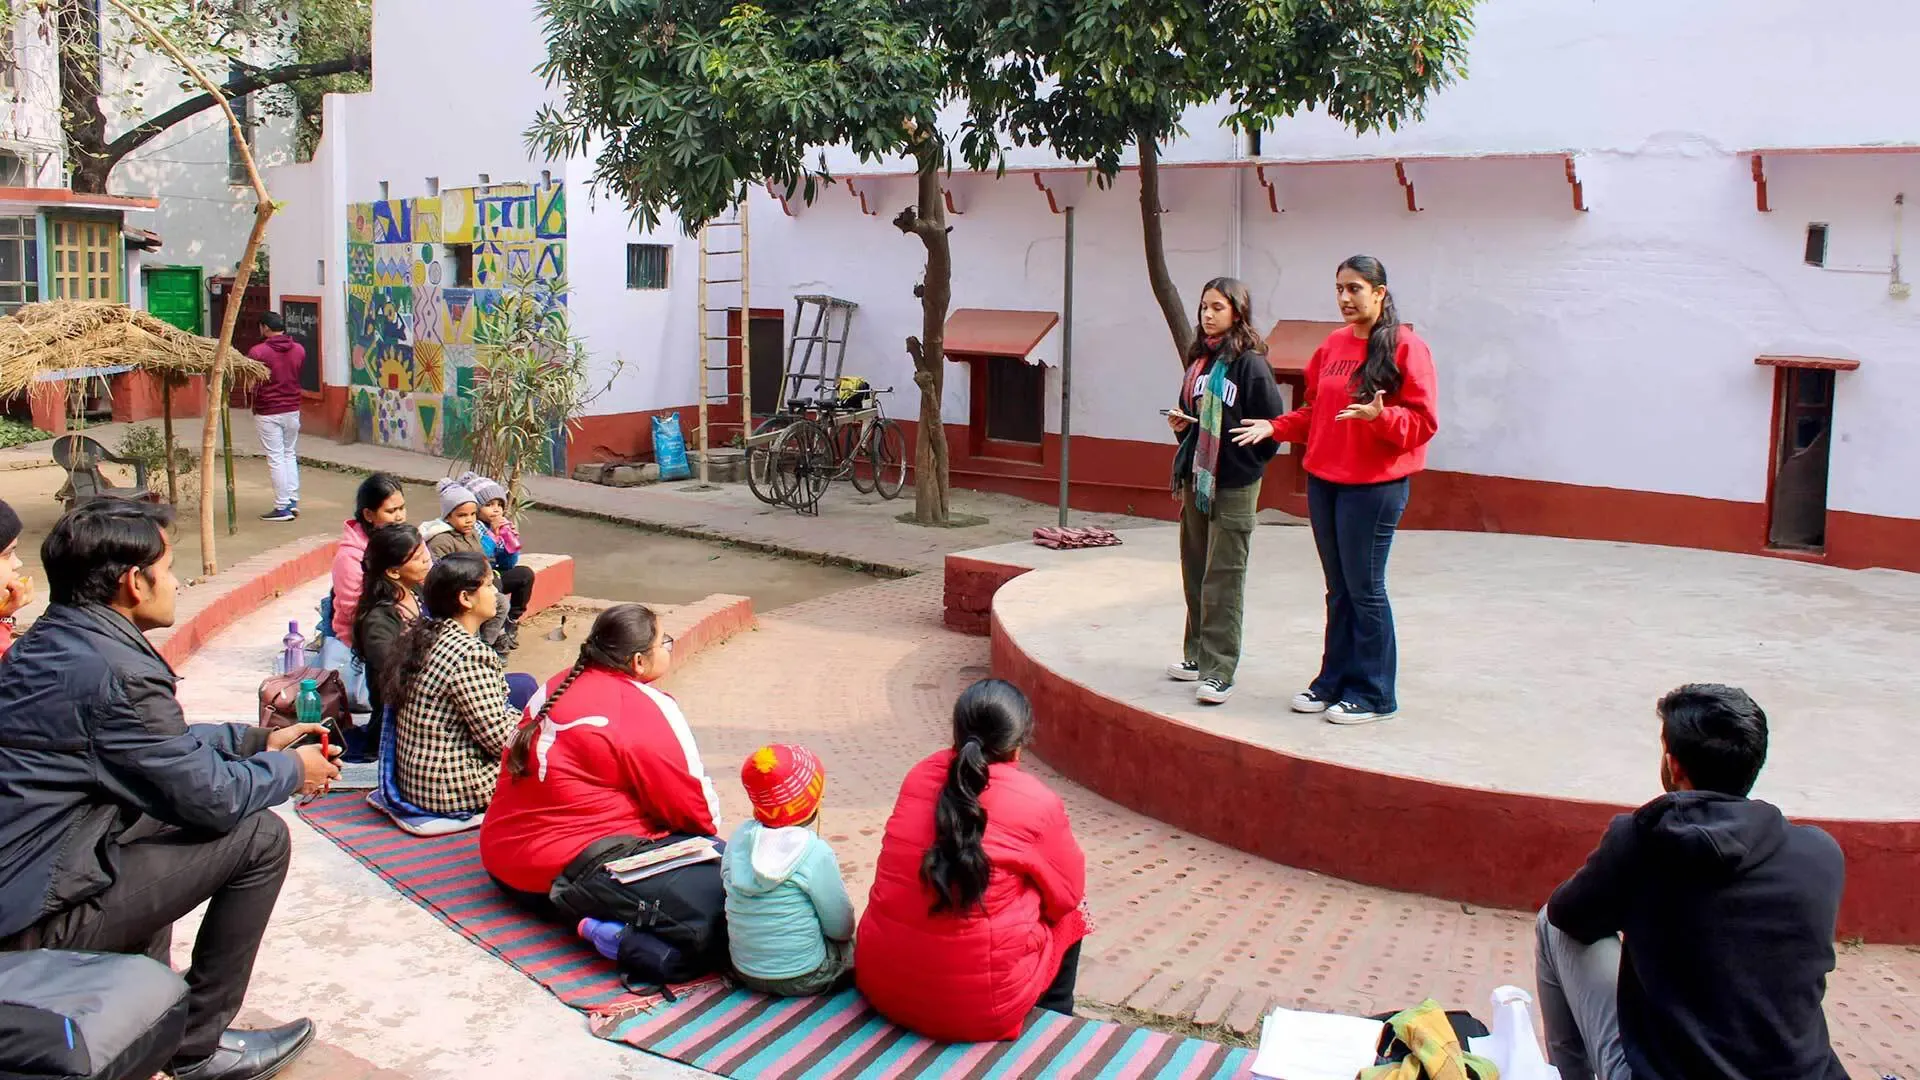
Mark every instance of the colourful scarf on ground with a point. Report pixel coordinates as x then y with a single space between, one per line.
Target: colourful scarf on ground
1212 405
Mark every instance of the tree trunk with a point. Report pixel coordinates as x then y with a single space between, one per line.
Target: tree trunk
928 221
76 28
1164 290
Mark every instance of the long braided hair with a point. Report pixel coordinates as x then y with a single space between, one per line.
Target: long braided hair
991 722
619 634
458 573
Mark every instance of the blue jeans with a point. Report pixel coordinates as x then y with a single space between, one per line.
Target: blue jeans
1353 527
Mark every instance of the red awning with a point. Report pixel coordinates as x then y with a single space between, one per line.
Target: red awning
996 331
1291 342
1818 363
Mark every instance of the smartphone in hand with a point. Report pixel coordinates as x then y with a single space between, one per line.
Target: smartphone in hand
1178 415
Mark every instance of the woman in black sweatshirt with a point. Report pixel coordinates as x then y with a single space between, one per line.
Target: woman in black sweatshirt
396 563
1217 482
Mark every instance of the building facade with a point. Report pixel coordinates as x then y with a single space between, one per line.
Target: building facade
1660 271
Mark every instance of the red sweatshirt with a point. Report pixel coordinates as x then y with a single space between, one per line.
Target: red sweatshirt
1388 447
614 757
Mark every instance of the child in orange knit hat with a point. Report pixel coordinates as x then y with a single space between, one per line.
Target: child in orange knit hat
789 919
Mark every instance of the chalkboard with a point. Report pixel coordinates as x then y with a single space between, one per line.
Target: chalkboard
303 326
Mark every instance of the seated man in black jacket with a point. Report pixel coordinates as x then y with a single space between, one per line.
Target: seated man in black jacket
1697 939
116 816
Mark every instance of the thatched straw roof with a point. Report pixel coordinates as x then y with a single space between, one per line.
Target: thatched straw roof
63 335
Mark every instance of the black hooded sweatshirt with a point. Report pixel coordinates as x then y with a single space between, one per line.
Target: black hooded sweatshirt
1728 914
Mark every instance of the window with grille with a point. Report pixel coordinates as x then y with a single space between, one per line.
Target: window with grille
1016 400
647 266
19 263
86 264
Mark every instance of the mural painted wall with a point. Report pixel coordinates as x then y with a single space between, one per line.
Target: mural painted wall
423 275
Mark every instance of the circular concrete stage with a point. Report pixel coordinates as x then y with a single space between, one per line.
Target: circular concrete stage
1529 667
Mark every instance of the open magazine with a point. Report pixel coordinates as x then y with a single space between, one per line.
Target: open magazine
659 860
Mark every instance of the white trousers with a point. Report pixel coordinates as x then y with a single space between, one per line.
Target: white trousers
280 438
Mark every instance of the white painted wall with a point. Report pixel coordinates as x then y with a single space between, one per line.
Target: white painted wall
30 110
1609 348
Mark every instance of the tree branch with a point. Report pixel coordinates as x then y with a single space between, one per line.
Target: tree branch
146 130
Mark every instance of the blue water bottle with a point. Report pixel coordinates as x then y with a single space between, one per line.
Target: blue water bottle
604 936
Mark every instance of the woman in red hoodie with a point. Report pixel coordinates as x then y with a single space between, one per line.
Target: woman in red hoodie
1366 417
976 910
604 765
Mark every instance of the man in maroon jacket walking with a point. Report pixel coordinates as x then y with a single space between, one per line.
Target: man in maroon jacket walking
276 414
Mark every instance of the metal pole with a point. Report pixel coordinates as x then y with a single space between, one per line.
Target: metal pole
1066 373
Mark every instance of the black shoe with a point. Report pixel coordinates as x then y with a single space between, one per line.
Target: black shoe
280 513
509 637
248 1055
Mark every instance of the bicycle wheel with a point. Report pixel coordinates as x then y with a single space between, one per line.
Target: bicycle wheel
760 454
803 462
887 456
853 450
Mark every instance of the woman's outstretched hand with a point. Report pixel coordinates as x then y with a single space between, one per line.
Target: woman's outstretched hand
1365 410
1252 431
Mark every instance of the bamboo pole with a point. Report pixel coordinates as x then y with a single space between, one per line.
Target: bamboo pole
166 424
263 211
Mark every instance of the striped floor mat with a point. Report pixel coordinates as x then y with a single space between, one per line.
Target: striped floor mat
742 1034
734 1032
443 874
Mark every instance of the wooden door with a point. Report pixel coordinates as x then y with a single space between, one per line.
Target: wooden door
1802 440
86 259
175 296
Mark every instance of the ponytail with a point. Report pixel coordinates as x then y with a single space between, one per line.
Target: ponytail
1380 373
956 865
619 634
991 722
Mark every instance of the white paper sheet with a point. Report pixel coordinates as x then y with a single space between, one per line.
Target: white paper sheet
1315 1046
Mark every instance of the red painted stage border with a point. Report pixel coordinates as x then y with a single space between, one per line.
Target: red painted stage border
1500 849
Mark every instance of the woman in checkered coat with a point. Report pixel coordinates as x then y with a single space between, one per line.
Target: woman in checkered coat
457 708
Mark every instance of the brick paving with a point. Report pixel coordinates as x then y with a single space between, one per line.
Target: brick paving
1185 927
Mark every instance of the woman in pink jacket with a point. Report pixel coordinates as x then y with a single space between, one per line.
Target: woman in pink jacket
976 911
380 501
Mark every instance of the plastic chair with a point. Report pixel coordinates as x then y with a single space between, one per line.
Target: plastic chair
82 457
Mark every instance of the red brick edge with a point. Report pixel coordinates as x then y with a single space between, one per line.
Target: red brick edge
1500 849
970 585
210 607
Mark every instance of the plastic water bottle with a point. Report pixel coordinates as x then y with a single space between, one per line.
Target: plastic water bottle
294 649
307 705
604 936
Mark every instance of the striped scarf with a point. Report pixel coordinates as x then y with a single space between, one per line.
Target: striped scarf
1212 404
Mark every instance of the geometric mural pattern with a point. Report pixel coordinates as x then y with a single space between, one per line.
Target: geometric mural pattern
411 322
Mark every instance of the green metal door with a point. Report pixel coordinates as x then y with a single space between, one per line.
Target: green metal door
174 295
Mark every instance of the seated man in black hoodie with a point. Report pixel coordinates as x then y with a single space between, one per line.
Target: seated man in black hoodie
1697 939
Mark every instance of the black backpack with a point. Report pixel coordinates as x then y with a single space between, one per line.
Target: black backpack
676 921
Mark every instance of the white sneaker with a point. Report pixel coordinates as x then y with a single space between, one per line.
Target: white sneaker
1214 692
1184 671
1306 702
1347 713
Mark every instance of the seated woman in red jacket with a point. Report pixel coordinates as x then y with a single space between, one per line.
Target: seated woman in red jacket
976 911
603 765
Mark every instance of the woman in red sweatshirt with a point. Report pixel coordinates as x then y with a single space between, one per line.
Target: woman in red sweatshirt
604 765
1366 418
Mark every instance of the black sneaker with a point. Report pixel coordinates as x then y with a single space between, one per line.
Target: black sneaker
1184 671
1347 714
280 513
1214 692
1306 701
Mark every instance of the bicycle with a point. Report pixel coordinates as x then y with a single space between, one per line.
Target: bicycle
860 445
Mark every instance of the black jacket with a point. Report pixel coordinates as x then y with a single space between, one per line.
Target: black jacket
377 640
1251 393
91 739
1728 916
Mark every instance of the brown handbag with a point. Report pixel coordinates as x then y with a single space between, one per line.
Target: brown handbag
280 694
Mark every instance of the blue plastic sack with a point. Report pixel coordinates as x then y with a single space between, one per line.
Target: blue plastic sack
670 447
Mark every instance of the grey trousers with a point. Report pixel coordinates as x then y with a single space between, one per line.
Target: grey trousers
1578 987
